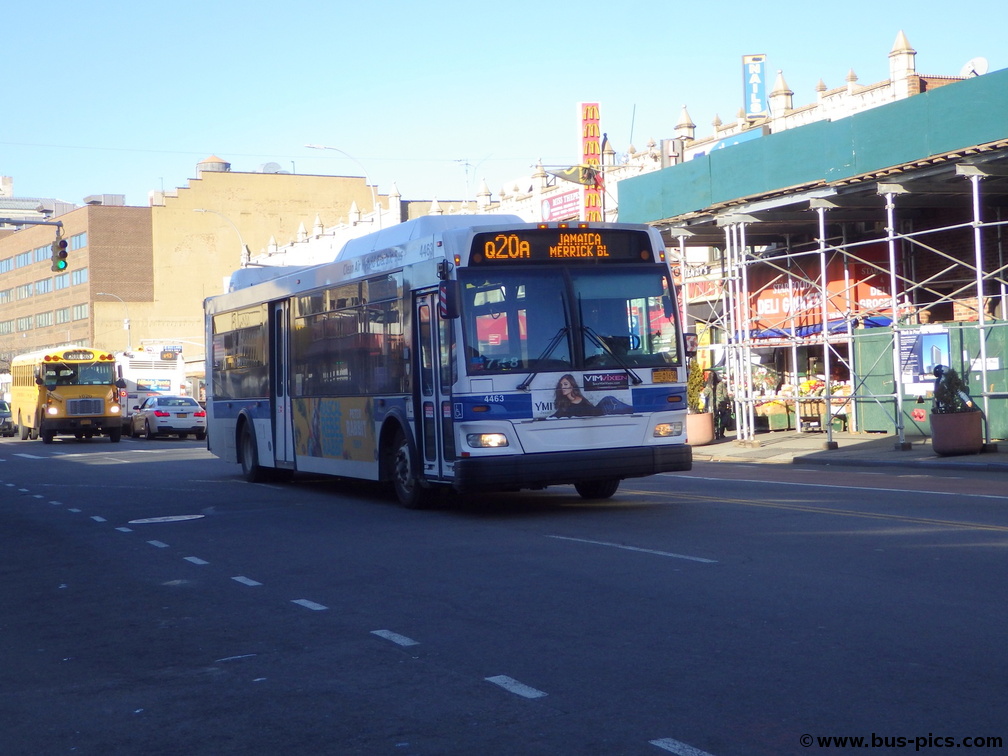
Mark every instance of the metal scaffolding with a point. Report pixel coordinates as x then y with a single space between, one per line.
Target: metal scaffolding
925 239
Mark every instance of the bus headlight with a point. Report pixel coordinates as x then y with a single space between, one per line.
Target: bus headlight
486 440
114 409
664 430
52 410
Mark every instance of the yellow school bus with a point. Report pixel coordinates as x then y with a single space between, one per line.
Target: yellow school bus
68 390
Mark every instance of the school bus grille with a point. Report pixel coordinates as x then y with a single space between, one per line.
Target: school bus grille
80 407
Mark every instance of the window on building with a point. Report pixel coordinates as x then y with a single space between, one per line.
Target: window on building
43 253
22 259
6 295
62 281
78 241
80 312
7 264
6 326
44 319
25 323
79 276
63 315
44 286
24 291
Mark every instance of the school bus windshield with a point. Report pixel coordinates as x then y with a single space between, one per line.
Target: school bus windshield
78 373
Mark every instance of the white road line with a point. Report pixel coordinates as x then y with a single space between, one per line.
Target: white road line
38 496
635 548
401 640
196 560
246 581
96 518
310 605
513 686
29 456
678 748
56 503
125 530
73 509
159 544
959 494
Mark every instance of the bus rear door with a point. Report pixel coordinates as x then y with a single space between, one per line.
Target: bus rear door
283 422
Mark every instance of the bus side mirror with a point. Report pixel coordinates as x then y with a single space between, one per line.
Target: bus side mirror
120 383
449 294
691 341
39 381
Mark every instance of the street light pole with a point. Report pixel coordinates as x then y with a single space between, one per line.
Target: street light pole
245 254
375 207
126 320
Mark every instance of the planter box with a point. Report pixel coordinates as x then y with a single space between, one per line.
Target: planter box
700 429
957 433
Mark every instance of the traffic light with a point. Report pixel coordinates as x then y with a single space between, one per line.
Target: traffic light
59 255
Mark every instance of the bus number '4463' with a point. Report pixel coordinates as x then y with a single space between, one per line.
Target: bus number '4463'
494 399
506 247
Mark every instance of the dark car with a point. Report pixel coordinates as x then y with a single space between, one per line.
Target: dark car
7 427
164 415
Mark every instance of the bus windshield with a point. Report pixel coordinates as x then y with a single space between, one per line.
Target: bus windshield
78 374
539 319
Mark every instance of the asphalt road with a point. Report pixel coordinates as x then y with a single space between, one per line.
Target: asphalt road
154 603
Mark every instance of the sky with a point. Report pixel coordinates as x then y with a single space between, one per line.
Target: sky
126 97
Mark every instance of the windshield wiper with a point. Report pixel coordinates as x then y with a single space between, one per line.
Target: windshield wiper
600 342
524 385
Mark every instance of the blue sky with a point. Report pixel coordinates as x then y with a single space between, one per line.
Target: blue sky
126 97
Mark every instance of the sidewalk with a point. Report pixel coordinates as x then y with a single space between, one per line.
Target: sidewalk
861 449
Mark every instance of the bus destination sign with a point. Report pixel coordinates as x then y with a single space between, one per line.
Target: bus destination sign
548 245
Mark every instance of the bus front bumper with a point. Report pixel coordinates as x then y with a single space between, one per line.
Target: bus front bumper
555 468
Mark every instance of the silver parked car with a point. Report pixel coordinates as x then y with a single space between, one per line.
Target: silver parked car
168 415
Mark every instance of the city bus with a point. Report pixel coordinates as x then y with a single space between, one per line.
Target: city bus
472 353
147 371
69 390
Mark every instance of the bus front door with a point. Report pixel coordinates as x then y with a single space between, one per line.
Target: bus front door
283 421
435 376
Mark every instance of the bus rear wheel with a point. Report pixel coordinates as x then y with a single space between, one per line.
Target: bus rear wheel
252 471
597 489
405 480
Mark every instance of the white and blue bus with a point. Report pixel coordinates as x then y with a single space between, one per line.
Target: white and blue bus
475 353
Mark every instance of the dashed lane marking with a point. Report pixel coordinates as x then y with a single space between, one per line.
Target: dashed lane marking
513 686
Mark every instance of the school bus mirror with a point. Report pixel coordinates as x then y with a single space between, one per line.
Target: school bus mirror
120 383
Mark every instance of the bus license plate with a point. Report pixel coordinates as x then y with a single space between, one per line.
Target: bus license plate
664 375
181 414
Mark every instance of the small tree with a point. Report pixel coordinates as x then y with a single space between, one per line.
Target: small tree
951 393
695 385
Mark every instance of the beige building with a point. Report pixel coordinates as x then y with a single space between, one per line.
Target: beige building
142 273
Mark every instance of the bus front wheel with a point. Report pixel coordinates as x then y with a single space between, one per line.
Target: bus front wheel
404 477
114 435
597 489
252 471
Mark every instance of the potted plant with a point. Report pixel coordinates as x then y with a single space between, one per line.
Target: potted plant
699 420
956 421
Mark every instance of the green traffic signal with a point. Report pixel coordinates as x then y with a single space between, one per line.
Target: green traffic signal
59 255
